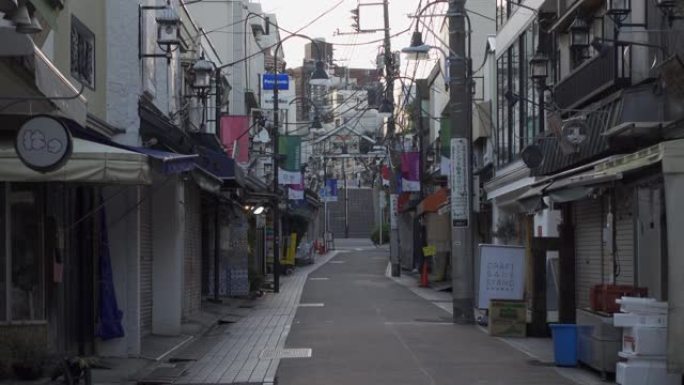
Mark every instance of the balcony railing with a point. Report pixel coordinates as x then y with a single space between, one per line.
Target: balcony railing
594 77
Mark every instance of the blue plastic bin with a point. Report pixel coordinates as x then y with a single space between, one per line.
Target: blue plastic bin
564 344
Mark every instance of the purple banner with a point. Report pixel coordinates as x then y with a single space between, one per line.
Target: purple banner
410 171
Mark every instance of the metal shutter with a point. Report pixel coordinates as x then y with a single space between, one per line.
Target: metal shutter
192 268
625 245
588 244
146 262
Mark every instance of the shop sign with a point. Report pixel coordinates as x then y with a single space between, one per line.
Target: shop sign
43 143
269 81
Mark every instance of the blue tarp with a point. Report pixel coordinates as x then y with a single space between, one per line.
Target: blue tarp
110 316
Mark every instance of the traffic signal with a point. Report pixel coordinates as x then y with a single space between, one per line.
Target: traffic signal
355 19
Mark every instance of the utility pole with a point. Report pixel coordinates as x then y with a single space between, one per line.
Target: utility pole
461 171
395 258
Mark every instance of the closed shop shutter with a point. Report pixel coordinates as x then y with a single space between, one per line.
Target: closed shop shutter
588 244
192 268
625 245
146 262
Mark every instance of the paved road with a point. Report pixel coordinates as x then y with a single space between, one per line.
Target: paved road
371 330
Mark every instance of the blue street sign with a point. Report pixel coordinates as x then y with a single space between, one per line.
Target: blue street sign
269 81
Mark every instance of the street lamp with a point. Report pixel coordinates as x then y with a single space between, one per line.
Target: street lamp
619 8
202 70
416 51
539 66
168 29
386 109
579 33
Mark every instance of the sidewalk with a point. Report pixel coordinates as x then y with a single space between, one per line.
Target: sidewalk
244 349
538 349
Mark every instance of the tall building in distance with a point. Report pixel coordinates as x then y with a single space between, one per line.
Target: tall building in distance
326 51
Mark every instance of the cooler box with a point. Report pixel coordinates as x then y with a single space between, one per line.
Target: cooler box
564 344
646 341
645 372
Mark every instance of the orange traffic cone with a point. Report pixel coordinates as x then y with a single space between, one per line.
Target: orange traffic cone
424 275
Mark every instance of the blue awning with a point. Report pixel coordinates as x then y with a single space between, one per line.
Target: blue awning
221 166
167 162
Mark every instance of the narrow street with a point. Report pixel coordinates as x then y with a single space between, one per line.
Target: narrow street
363 328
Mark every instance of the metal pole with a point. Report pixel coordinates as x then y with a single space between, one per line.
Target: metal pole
346 200
395 258
325 203
459 106
276 212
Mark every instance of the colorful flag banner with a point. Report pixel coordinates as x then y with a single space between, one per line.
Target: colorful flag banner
329 192
290 167
410 171
235 137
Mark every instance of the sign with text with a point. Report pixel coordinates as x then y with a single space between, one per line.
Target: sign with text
458 182
43 143
269 81
329 191
502 273
394 210
429 250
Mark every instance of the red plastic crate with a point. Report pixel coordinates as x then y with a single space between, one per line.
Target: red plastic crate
603 296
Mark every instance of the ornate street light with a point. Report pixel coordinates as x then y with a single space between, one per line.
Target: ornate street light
319 77
579 33
539 66
203 70
316 124
620 8
168 29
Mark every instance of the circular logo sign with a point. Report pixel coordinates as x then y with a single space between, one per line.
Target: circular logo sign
43 143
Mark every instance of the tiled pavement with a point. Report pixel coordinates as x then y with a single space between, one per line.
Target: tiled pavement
236 357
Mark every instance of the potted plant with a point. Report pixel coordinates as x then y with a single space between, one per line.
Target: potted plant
28 359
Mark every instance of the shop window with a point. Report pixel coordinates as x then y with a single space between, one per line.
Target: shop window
82 53
22 285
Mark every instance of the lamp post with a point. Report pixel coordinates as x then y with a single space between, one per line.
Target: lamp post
539 71
319 77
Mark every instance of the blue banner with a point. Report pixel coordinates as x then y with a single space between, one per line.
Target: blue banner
329 192
269 81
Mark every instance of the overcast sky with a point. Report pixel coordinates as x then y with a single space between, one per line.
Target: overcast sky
294 14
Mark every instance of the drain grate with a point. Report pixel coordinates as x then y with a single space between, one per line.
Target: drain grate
272 354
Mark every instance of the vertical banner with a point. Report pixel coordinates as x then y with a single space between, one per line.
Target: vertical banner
445 146
290 167
386 175
460 201
394 210
235 137
296 191
410 171
330 190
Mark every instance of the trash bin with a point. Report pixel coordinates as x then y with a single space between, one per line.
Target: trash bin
564 344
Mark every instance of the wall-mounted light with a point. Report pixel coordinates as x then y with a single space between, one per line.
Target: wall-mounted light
203 70
168 29
667 7
539 66
618 7
258 210
579 33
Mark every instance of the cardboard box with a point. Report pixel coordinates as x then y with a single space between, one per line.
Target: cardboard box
507 318
632 319
644 341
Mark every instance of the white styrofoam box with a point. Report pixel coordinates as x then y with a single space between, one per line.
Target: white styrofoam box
644 340
642 305
632 319
641 372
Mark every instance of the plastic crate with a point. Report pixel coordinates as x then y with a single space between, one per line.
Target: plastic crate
603 297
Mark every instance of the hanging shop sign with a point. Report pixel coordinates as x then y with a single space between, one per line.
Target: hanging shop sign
458 180
43 143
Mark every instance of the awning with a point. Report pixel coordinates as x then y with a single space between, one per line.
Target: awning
168 162
90 162
516 25
568 186
433 202
220 166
